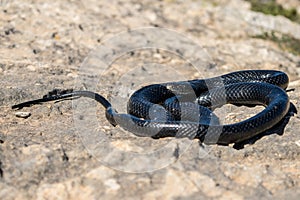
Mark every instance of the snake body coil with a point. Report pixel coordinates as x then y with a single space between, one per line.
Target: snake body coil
184 109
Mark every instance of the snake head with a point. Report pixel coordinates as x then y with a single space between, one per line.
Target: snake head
109 114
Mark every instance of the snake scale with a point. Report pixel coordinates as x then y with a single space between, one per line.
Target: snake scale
185 108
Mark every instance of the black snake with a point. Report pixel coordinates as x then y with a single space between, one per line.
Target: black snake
185 109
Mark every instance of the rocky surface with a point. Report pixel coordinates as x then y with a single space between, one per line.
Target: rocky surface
50 154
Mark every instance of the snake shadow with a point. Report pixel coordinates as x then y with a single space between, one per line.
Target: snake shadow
277 129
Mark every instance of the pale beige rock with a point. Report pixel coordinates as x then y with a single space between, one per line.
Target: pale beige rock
206 184
43 45
176 184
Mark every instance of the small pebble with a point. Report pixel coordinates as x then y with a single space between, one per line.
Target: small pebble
106 127
23 114
73 75
31 68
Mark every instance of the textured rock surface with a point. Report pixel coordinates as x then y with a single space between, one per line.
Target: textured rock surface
42 46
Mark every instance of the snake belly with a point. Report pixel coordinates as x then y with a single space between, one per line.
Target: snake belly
185 108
